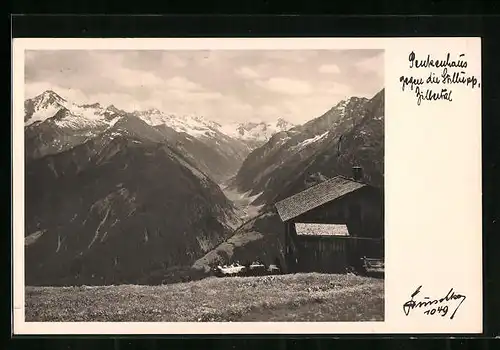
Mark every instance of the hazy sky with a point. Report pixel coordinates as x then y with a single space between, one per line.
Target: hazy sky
224 86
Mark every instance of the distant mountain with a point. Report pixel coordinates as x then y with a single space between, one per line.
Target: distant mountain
189 124
202 140
255 134
117 207
351 133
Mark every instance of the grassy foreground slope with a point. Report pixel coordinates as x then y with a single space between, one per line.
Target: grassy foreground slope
292 298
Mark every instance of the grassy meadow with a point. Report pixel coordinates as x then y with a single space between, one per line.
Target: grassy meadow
292 298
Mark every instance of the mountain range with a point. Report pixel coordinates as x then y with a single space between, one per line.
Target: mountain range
54 124
118 197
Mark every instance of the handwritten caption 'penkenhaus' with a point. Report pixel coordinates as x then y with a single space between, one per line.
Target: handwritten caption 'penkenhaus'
434 78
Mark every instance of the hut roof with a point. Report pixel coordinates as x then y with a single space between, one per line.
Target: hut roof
321 229
316 196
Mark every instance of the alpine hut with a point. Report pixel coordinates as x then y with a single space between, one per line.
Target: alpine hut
333 225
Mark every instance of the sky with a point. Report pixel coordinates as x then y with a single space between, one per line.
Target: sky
223 86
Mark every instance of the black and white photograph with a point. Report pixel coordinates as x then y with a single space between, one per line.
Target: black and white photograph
204 185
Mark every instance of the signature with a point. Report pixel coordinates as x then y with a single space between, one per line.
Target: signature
435 306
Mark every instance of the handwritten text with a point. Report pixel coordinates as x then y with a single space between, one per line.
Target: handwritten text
434 79
439 306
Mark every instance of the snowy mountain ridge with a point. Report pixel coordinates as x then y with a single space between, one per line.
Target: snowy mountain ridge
256 131
65 114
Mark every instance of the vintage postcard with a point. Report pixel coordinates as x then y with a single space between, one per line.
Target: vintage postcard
298 186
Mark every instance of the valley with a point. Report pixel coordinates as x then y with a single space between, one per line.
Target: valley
243 203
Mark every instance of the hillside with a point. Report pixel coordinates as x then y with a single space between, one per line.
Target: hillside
361 144
293 298
267 168
261 238
117 207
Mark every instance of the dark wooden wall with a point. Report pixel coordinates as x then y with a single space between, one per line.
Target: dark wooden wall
362 211
322 254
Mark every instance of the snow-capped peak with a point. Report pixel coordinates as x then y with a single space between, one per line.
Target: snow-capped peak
113 109
49 97
43 106
193 125
256 131
283 124
154 111
147 112
64 113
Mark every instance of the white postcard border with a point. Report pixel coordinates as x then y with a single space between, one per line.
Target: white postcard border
401 116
